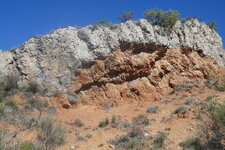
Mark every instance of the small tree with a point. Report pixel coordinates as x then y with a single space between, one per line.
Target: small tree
103 22
162 18
125 16
212 25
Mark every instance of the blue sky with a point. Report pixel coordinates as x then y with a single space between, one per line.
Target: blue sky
21 19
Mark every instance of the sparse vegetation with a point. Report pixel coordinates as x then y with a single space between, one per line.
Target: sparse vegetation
125 125
78 123
159 140
105 23
184 87
135 140
189 101
1 109
212 25
9 83
125 16
10 103
209 98
216 83
192 144
5 142
3 94
72 98
33 87
2 135
50 135
152 110
114 121
51 110
166 19
181 110
26 146
10 106
8 86
212 127
34 104
84 138
104 123
141 120
220 84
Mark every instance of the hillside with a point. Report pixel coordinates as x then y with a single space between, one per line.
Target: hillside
53 60
123 86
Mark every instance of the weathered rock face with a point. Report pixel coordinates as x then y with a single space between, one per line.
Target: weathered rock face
54 59
141 73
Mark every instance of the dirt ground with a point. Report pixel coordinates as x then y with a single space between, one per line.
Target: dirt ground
178 128
92 137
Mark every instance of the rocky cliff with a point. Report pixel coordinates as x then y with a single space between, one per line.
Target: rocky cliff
56 59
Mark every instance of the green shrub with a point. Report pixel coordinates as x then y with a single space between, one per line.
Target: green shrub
3 94
181 110
152 110
209 98
217 112
141 119
135 140
5 143
192 144
166 19
216 82
33 87
78 123
8 86
125 16
26 146
10 106
50 135
114 121
212 25
104 22
33 104
9 83
10 103
1 108
2 135
104 123
220 84
159 140
8 144
212 124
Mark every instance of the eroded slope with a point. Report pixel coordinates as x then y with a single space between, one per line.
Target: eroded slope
137 72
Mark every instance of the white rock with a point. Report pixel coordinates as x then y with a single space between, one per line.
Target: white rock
72 147
146 134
